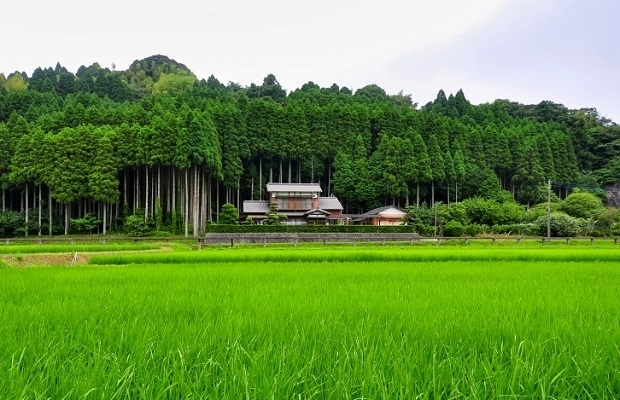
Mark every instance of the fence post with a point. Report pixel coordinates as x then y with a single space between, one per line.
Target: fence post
232 242
493 241
264 241
591 240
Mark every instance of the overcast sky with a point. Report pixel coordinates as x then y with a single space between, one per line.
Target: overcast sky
566 51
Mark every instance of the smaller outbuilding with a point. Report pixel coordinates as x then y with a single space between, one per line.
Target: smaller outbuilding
388 215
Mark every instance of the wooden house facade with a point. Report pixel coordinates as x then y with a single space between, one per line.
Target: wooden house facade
302 204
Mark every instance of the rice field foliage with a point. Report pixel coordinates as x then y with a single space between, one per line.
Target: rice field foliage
369 254
378 329
68 248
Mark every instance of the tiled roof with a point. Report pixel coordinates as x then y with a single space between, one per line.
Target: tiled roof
329 203
255 207
294 187
377 211
316 211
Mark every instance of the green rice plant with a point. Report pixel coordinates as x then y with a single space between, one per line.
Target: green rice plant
67 248
405 254
388 329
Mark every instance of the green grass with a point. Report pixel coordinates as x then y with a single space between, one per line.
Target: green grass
254 329
68 248
366 254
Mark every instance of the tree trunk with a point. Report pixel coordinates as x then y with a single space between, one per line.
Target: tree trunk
136 199
329 178
203 202
146 203
159 192
217 201
448 186
280 180
196 201
456 192
40 209
3 200
27 209
417 195
186 200
433 193
289 171
260 177
124 186
210 197
169 186
173 204
49 207
66 219
105 208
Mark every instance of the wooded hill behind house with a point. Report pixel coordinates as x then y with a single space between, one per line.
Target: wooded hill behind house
157 141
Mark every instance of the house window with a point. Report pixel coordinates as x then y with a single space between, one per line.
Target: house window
294 204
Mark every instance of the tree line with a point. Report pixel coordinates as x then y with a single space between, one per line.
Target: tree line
155 141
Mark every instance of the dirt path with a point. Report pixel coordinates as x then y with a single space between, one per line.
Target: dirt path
58 259
27 260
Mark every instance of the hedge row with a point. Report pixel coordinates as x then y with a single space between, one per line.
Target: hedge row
309 229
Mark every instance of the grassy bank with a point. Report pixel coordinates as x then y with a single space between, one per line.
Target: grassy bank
66 248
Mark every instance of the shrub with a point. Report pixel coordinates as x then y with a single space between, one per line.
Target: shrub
581 205
10 223
562 225
135 225
453 229
86 224
490 212
473 229
540 210
229 214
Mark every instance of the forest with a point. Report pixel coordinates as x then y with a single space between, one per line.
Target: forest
158 144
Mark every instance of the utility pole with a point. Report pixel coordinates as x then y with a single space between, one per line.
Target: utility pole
549 211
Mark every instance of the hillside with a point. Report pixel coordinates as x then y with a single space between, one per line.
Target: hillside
154 139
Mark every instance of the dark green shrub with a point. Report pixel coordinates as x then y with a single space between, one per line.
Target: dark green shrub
85 225
453 229
135 225
472 229
229 214
11 223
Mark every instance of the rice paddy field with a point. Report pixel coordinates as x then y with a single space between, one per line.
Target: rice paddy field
308 322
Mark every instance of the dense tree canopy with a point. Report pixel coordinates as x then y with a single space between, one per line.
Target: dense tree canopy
155 139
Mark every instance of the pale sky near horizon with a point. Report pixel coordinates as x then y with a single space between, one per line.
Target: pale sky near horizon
525 51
